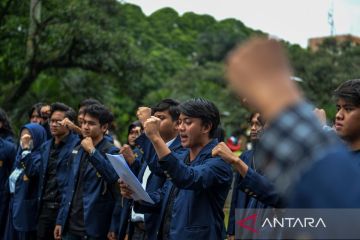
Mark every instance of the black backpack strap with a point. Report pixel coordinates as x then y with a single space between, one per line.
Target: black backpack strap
104 148
112 188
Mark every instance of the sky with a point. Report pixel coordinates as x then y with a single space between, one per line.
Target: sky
292 20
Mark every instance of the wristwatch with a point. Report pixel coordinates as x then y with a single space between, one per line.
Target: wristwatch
92 151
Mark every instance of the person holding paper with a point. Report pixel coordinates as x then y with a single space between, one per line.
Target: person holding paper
192 199
91 207
143 226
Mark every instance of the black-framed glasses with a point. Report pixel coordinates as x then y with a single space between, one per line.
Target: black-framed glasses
54 122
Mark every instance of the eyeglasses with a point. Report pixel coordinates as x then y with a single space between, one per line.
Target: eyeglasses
54 122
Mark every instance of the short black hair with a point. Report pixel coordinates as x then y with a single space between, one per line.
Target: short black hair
219 134
62 107
168 104
349 91
100 112
36 107
133 125
6 126
203 109
87 102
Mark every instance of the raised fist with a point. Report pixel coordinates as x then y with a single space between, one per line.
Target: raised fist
151 127
143 114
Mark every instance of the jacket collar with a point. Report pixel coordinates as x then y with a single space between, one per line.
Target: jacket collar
175 144
206 150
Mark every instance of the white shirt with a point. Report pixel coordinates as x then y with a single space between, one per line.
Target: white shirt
138 217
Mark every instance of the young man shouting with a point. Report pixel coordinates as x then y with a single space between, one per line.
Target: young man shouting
192 199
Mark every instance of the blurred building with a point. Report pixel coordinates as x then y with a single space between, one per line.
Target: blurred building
314 43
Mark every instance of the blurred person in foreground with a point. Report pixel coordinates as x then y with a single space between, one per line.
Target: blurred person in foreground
294 150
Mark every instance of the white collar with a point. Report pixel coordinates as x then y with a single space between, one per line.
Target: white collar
170 142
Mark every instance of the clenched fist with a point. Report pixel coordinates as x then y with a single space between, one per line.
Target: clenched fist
222 151
67 123
111 236
70 125
128 154
151 127
321 115
87 144
143 114
125 190
259 71
57 232
26 141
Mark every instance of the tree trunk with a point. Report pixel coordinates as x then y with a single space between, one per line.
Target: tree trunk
31 71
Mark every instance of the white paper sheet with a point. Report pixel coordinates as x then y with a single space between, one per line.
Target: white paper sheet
125 173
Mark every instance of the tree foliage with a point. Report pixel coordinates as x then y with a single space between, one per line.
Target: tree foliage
111 51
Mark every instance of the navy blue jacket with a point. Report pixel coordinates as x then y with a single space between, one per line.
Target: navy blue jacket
203 187
25 204
150 156
7 158
251 191
156 178
71 140
100 194
8 137
357 156
334 179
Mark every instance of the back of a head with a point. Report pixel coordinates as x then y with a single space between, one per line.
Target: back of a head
62 107
36 107
87 102
100 112
167 105
349 91
203 109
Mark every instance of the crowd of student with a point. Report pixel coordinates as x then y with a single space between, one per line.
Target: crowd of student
57 183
